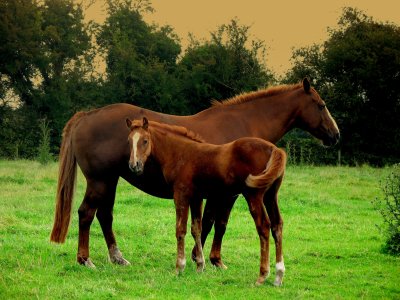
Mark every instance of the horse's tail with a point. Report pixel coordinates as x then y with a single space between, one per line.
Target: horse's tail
275 169
66 183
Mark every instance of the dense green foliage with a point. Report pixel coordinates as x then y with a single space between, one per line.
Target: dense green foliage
140 59
222 67
357 70
44 155
332 248
41 48
47 71
389 207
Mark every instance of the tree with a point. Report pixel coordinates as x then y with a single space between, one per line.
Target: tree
41 45
140 58
358 71
225 66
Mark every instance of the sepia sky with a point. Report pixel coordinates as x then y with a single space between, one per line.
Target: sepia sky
281 24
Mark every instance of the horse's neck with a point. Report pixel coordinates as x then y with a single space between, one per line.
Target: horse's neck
282 116
274 116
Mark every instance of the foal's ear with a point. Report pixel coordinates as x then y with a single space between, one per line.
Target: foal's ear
145 123
128 123
306 85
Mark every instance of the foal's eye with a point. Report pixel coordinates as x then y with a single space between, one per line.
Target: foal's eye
321 106
145 142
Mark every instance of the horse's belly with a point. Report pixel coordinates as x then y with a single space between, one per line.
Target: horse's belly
151 182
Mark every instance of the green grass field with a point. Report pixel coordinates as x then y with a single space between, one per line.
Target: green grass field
332 246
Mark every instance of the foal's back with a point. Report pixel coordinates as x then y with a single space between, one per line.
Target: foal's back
225 168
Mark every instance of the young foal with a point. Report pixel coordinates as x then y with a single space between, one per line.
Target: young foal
195 170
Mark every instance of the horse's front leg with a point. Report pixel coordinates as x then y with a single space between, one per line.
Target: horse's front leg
182 211
263 225
223 211
195 208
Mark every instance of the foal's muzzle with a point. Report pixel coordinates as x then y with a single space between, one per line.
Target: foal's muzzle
137 168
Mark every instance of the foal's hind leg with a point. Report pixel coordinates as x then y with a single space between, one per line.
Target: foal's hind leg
271 204
263 225
105 216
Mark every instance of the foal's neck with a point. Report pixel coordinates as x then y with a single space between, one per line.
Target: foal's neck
167 146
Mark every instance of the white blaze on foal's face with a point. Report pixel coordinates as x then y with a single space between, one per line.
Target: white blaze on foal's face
135 139
140 148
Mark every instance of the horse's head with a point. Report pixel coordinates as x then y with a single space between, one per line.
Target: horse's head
139 144
314 117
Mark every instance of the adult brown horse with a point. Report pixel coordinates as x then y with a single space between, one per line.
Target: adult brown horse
195 170
96 140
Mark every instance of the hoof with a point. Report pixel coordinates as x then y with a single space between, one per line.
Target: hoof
179 270
180 266
120 261
280 272
262 278
218 264
115 257
260 281
200 267
88 263
278 281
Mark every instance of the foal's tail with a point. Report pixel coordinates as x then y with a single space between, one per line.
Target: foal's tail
66 183
275 169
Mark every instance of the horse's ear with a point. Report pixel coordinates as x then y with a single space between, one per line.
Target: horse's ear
128 123
306 85
145 123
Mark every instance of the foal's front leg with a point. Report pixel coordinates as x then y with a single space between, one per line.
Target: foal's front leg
182 211
197 253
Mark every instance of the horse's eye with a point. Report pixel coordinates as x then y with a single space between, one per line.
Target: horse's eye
321 106
145 142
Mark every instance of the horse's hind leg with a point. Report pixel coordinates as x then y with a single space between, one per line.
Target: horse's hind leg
206 224
105 216
271 204
223 211
86 214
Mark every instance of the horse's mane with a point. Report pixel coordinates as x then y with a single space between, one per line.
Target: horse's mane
177 130
245 97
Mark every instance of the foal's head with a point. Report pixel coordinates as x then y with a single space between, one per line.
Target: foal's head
139 144
314 116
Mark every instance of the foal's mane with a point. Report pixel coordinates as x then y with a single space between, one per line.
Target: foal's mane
246 97
177 130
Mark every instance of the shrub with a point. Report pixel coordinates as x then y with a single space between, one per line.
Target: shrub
44 155
389 208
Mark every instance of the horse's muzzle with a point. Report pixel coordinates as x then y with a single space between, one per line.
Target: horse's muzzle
332 140
137 168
